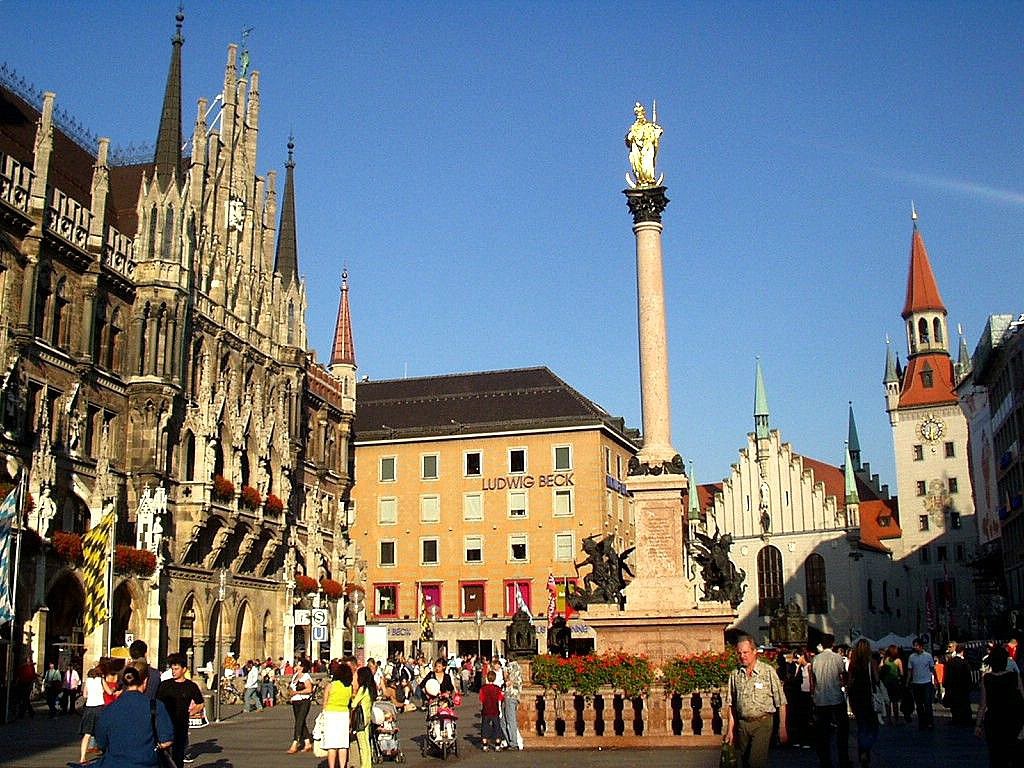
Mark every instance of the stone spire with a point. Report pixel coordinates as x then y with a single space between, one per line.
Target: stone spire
287 261
761 414
964 364
344 351
693 506
853 440
167 159
892 375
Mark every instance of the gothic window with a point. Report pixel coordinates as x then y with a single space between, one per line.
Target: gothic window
58 326
99 330
769 580
291 324
910 336
937 330
168 239
814 575
922 330
151 249
115 340
143 341
43 288
190 455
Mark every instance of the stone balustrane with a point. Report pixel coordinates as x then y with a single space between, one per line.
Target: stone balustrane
15 183
612 719
119 253
68 219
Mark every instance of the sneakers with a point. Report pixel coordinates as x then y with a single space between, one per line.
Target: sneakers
189 759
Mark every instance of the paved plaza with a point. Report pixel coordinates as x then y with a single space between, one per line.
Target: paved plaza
260 740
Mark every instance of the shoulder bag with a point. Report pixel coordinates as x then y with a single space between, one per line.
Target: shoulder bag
357 718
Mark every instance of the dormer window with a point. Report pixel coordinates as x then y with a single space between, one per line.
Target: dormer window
927 376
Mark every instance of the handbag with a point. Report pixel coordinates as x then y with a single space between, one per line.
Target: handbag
357 719
728 757
318 736
163 756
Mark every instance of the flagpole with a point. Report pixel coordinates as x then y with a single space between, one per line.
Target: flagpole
19 503
110 585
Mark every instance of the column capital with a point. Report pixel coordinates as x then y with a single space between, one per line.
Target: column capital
646 203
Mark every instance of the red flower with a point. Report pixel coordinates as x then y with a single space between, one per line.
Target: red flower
68 546
274 505
305 584
331 588
131 560
250 497
223 489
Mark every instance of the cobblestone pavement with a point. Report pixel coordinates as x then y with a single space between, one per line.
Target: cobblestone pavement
259 740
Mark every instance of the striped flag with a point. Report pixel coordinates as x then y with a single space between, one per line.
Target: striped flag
96 559
552 598
8 513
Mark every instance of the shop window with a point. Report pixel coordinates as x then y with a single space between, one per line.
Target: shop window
385 599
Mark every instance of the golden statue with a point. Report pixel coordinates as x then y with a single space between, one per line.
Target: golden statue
642 140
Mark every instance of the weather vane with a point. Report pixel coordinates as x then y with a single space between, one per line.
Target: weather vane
245 49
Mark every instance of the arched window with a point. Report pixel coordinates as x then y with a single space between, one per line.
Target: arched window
144 341
922 330
190 455
114 341
151 246
291 324
44 287
814 576
99 330
937 330
911 339
769 580
58 326
165 246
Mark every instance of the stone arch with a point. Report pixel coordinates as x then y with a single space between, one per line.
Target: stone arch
128 612
268 636
190 623
202 546
245 635
937 330
922 330
65 600
769 580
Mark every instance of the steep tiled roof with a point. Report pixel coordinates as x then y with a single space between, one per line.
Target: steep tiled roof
835 481
941 391
344 350
922 290
879 521
491 401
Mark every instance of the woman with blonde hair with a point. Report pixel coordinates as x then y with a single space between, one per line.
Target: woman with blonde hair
863 680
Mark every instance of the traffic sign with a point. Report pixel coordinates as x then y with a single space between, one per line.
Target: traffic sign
320 633
319 617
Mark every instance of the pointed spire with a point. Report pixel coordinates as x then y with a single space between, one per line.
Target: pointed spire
964 363
344 351
761 415
167 159
922 290
892 375
287 260
693 507
853 440
852 497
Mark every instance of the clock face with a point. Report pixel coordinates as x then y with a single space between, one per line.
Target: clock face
932 429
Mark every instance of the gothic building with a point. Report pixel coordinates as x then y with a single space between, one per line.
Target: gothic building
155 362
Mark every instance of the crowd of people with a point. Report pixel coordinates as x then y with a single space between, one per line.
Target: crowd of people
807 699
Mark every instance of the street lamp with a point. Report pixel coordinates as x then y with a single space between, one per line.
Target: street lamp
478 618
223 580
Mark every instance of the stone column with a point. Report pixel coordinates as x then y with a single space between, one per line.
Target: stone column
647 205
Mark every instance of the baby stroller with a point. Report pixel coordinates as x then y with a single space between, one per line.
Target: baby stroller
441 717
384 741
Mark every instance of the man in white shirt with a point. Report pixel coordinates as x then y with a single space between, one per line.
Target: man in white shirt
252 688
921 678
69 689
828 675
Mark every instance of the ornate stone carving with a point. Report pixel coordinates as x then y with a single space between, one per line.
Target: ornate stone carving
646 204
674 467
606 579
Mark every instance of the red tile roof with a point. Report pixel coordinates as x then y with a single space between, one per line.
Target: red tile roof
922 290
879 521
941 391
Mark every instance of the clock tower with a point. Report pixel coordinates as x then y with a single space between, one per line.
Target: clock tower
936 502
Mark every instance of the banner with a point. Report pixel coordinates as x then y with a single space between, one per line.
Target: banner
8 513
97 556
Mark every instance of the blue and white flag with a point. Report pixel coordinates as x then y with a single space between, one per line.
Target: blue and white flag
8 512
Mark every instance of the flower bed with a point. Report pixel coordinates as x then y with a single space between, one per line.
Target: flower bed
140 562
274 505
304 585
250 497
332 589
633 675
68 547
223 489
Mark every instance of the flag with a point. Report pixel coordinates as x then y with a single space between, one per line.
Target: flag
8 513
929 609
568 605
96 559
552 598
521 603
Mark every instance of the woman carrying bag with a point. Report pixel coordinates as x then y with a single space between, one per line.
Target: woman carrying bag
302 691
363 701
135 732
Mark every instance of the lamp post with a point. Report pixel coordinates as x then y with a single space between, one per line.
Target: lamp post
223 580
478 618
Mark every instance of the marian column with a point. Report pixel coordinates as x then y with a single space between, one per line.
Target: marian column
656 475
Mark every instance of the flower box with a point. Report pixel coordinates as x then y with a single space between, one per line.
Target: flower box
140 562
250 497
223 489
332 589
305 585
274 505
68 547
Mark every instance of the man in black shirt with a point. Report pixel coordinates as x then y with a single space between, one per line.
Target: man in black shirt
138 650
183 700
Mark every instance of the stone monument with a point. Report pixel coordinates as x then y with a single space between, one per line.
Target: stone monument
662 616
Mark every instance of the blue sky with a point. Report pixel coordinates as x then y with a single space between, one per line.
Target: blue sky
466 162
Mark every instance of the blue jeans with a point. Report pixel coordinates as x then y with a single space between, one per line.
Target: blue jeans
252 701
